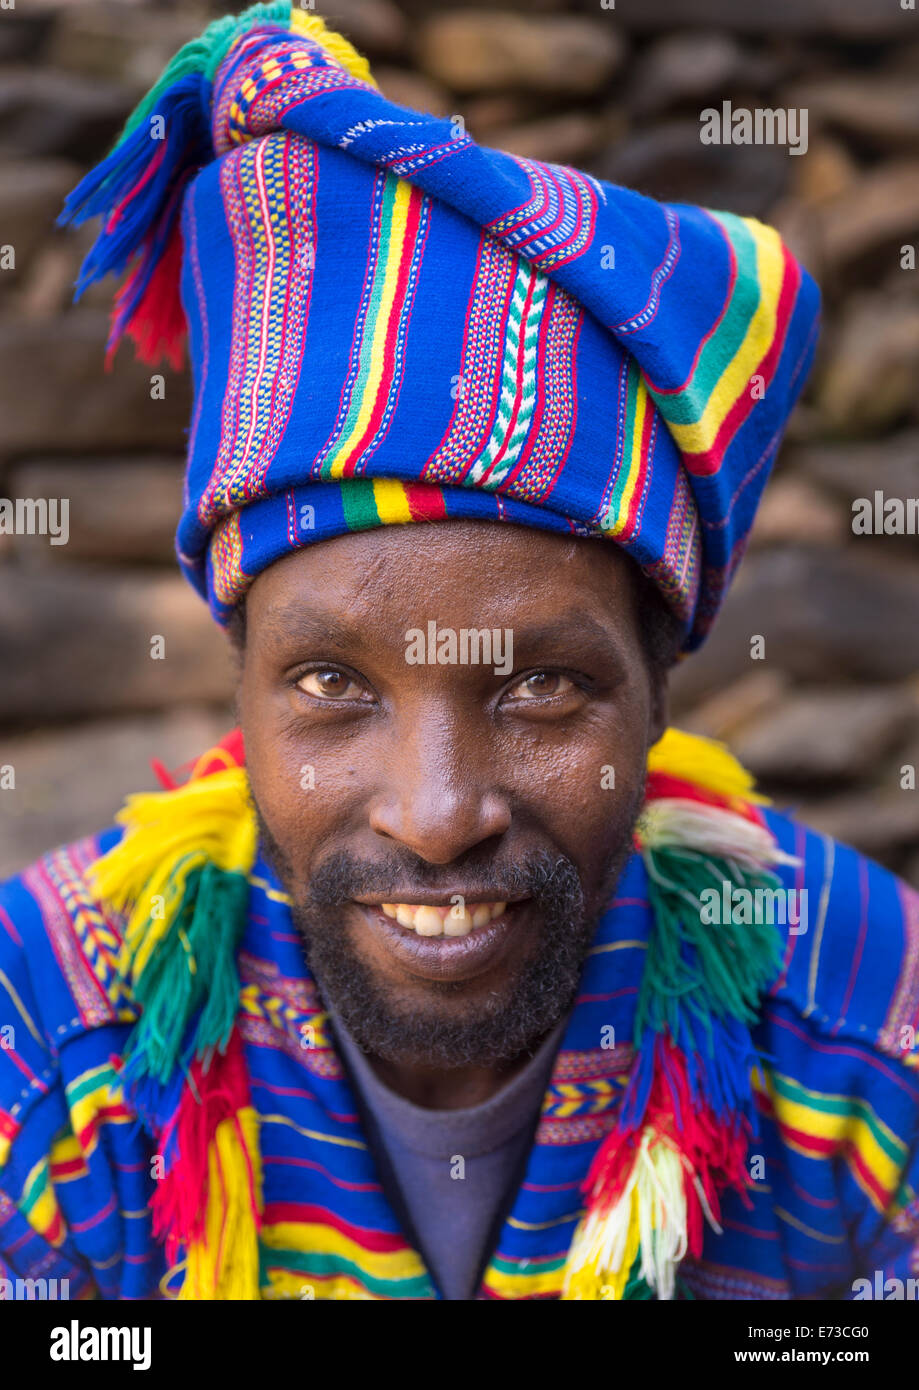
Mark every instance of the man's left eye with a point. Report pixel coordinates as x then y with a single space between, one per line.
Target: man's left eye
541 684
330 684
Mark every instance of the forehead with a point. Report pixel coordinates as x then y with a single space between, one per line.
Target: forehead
464 573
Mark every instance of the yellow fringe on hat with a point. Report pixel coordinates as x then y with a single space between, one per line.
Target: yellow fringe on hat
312 27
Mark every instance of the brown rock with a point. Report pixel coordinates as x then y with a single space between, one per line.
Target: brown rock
669 161
76 641
120 509
724 714
408 88
485 50
827 735
825 615
373 26
130 43
882 106
31 196
910 871
868 381
853 19
22 35
48 112
793 511
683 67
47 287
71 781
850 471
55 394
564 139
797 226
881 208
826 172
486 114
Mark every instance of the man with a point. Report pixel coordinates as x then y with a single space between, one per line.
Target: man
452 972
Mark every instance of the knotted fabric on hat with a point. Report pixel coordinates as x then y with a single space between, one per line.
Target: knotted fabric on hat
391 323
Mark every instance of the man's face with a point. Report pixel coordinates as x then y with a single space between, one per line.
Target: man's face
448 834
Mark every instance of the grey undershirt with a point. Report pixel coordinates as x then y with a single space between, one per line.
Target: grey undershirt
453 1221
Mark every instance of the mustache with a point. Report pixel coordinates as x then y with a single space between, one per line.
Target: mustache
546 877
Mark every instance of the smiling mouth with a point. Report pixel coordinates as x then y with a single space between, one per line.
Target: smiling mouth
428 919
445 940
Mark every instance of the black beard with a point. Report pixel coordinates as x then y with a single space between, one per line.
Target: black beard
506 1026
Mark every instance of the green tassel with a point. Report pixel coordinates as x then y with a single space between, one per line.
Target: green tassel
637 1290
205 54
193 967
164 993
730 964
217 929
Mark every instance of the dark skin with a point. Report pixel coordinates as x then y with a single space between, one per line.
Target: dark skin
446 766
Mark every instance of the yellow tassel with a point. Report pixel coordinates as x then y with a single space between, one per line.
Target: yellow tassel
225 1265
168 836
600 1242
312 27
705 762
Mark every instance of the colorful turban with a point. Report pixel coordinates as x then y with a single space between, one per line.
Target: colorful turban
390 323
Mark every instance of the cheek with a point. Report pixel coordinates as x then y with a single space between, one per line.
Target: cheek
307 800
302 787
584 789
589 802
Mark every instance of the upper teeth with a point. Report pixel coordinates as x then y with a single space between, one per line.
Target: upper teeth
444 921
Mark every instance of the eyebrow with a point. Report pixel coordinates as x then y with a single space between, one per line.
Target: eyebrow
573 623
292 620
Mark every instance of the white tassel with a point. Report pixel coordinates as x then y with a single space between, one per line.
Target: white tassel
662 1216
655 1189
684 824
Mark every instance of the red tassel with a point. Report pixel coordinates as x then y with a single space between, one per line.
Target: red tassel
659 784
229 752
179 1204
713 1151
163 775
157 324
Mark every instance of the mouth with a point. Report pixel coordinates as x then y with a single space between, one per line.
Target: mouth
446 940
430 919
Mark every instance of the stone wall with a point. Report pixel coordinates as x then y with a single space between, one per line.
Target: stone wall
828 718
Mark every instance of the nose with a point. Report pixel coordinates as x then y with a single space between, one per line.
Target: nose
438 797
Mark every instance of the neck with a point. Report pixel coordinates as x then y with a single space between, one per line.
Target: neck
455 1089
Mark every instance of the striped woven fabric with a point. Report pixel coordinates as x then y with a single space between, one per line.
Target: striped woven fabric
835 1165
389 322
